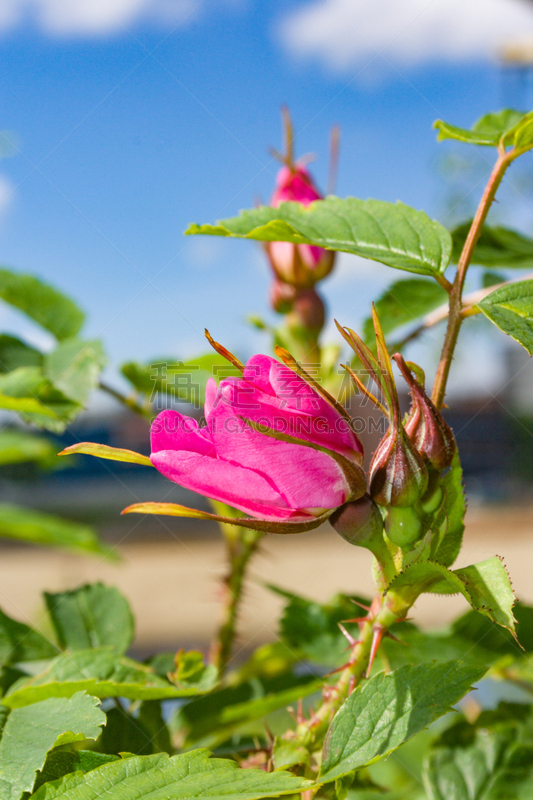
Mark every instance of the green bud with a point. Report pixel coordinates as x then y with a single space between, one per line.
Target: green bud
404 526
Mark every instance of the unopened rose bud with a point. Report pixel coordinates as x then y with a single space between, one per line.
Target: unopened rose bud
282 296
300 265
398 475
404 526
426 427
359 522
308 311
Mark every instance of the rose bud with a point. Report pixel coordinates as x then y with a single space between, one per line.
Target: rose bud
308 311
426 427
282 296
301 265
398 475
359 522
273 446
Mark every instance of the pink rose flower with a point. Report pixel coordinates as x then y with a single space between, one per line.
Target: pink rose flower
272 479
301 265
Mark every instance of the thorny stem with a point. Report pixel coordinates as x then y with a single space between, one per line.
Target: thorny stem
241 545
455 316
385 610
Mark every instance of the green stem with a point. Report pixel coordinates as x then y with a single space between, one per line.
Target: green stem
241 544
455 317
145 411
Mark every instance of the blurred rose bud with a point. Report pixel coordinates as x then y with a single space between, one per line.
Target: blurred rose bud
282 296
301 265
308 310
398 475
426 427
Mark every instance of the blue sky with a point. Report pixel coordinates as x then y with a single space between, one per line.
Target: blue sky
134 118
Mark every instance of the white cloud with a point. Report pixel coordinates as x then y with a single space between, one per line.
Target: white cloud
348 33
93 17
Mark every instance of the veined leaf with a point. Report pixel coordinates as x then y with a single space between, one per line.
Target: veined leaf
485 585
490 130
93 615
497 247
191 775
37 527
102 673
27 734
511 310
404 302
74 368
19 642
104 451
61 762
388 710
44 304
392 233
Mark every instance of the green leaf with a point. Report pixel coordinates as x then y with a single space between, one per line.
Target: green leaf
183 380
485 585
388 710
62 762
454 510
523 138
151 718
28 391
212 719
102 673
93 615
392 233
104 451
17 446
497 247
19 642
37 527
44 304
192 774
404 302
490 279
511 310
74 368
491 759
488 131
15 353
288 753
29 733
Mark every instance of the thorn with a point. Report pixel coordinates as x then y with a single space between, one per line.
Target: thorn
339 669
270 735
395 639
359 620
378 634
352 683
357 603
300 713
351 641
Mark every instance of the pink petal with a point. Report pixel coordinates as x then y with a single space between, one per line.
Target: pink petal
173 431
304 477
239 487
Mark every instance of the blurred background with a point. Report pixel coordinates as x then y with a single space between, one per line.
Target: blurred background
130 119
